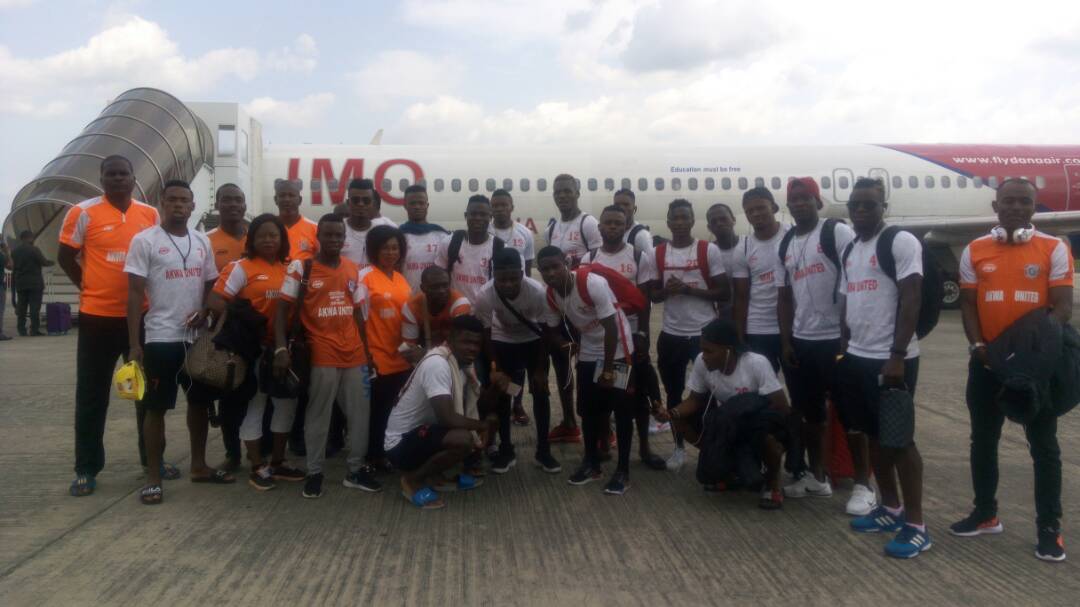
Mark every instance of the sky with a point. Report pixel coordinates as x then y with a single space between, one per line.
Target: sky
556 72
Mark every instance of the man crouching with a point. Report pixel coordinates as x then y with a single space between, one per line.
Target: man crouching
428 432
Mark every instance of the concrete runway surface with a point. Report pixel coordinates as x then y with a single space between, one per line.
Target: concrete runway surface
524 538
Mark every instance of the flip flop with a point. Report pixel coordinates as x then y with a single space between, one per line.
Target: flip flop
216 477
425 499
82 486
466 482
151 495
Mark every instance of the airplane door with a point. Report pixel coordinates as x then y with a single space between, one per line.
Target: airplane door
842 182
1072 186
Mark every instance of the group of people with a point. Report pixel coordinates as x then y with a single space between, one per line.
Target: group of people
413 345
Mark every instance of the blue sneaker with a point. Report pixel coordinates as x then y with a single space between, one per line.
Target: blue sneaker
877 521
908 543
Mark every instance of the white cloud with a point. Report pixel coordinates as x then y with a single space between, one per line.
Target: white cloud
306 112
399 74
301 56
134 52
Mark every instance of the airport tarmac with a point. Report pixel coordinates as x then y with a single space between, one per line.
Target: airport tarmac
524 538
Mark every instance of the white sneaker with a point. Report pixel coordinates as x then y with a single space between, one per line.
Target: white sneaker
677 459
862 501
657 428
809 486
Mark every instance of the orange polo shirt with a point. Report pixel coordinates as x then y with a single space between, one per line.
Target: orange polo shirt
385 296
227 248
327 312
303 243
256 281
413 316
1013 279
103 234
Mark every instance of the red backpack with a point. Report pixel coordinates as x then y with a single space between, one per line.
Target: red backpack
628 296
702 262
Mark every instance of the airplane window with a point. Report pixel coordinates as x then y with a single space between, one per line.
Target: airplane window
474 184
977 181
508 185
625 183
961 182
659 184
387 185
692 183
897 182
759 182
421 182
676 183
913 182
524 184
992 182
743 183
929 180
455 185
541 184
1040 182
331 184
642 184
946 182
609 184
842 182
226 140
489 184
710 183
725 183
592 184
439 184
403 183
776 183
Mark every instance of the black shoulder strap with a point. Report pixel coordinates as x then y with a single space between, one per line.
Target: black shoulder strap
828 247
453 252
884 251
305 277
551 229
634 231
531 326
844 257
581 231
785 244
496 245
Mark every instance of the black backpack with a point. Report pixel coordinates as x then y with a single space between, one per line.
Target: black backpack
828 247
634 231
453 253
933 283
581 230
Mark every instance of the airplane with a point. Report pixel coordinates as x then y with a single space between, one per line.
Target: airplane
941 192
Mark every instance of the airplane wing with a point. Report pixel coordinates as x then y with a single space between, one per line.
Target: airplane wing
955 231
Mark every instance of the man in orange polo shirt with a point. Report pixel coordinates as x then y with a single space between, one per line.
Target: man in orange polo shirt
303 240
100 229
1003 276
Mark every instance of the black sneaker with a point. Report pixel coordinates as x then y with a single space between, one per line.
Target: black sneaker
548 463
619 483
976 524
363 479
501 463
653 461
284 472
313 486
262 478
1051 545
586 474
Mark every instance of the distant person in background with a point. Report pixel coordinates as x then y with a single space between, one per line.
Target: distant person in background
364 201
101 229
422 238
5 264
513 233
637 234
28 283
721 222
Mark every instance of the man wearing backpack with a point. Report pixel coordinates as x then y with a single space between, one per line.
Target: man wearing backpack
1004 276
690 279
880 365
809 312
637 267
467 253
584 299
753 276
637 234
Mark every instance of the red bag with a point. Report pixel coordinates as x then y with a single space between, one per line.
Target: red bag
702 262
628 296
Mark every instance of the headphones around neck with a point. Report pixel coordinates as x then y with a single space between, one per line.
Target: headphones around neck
1019 235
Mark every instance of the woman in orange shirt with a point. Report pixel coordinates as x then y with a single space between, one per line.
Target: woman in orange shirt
387 293
257 277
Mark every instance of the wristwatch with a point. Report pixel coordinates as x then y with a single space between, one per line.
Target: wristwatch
975 346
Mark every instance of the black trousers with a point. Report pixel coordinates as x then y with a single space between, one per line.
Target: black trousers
28 303
595 406
102 340
527 365
384 395
986 422
673 354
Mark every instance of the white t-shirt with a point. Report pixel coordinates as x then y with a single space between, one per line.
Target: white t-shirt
517 237
686 315
433 377
642 240
587 319
421 250
575 237
873 297
753 374
355 247
640 271
812 278
383 221
531 303
174 285
472 268
757 259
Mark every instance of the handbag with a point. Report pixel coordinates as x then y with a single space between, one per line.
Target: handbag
217 367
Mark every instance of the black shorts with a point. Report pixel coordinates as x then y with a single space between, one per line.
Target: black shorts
858 392
417 446
163 364
810 382
516 360
767 346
